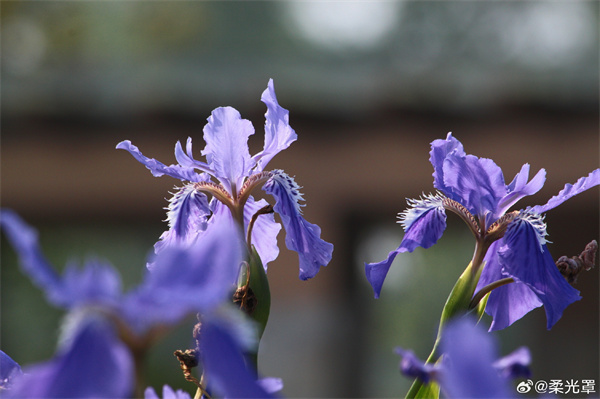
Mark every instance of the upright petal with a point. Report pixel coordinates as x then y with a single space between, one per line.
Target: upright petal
440 149
158 168
520 188
278 132
226 136
224 364
264 232
301 236
186 159
24 240
94 364
470 354
527 262
570 190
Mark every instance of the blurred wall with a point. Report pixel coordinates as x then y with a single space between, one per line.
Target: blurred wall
368 86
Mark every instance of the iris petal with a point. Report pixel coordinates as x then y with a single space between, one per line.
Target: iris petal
301 236
520 188
569 191
278 132
9 370
440 149
264 232
226 136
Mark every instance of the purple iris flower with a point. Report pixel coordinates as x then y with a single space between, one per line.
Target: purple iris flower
95 359
512 244
469 367
229 175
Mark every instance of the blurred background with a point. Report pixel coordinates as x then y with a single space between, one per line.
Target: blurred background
369 85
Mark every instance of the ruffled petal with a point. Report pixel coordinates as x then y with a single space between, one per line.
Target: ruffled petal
570 190
301 236
440 149
9 371
224 364
528 262
24 240
520 188
424 223
469 353
94 364
187 280
264 232
158 168
186 159
226 136
278 132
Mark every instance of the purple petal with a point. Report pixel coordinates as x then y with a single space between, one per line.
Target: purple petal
95 364
570 190
376 272
187 280
186 159
468 372
9 371
157 168
167 393
478 182
520 188
278 132
264 233
224 364
440 149
301 236
271 384
226 136
529 263
413 367
97 283
515 365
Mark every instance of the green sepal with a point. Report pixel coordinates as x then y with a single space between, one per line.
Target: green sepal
430 390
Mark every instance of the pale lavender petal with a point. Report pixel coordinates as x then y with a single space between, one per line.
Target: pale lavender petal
97 283
520 188
264 233
224 364
570 190
186 159
226 136
278 132
468 372
167 393
271 384
95 364
9 371
527 262
158 168
301 236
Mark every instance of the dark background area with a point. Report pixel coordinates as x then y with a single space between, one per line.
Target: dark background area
369 85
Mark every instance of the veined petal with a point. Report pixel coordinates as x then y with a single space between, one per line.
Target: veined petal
9 371
278 132
224 364
570 190
527 262
186 159
477 182
24 240
158 168
301 236
264 232
520 188
226 136
187 280
424 223
95 364
440 149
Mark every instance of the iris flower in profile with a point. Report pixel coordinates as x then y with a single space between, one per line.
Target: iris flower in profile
229 175
105 326
511 245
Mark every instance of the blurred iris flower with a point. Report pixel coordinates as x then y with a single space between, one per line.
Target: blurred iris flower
105 326
236 173
512 245
470 367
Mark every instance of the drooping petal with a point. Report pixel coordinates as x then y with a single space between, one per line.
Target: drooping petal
413 367
187 214
264 232
24 240
226 136
187 280
9 371
520 188
515 364
468 372
94 364
301 236
528 262
569 191
440 149
377 272
224 364
278 132
158 168
477 182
